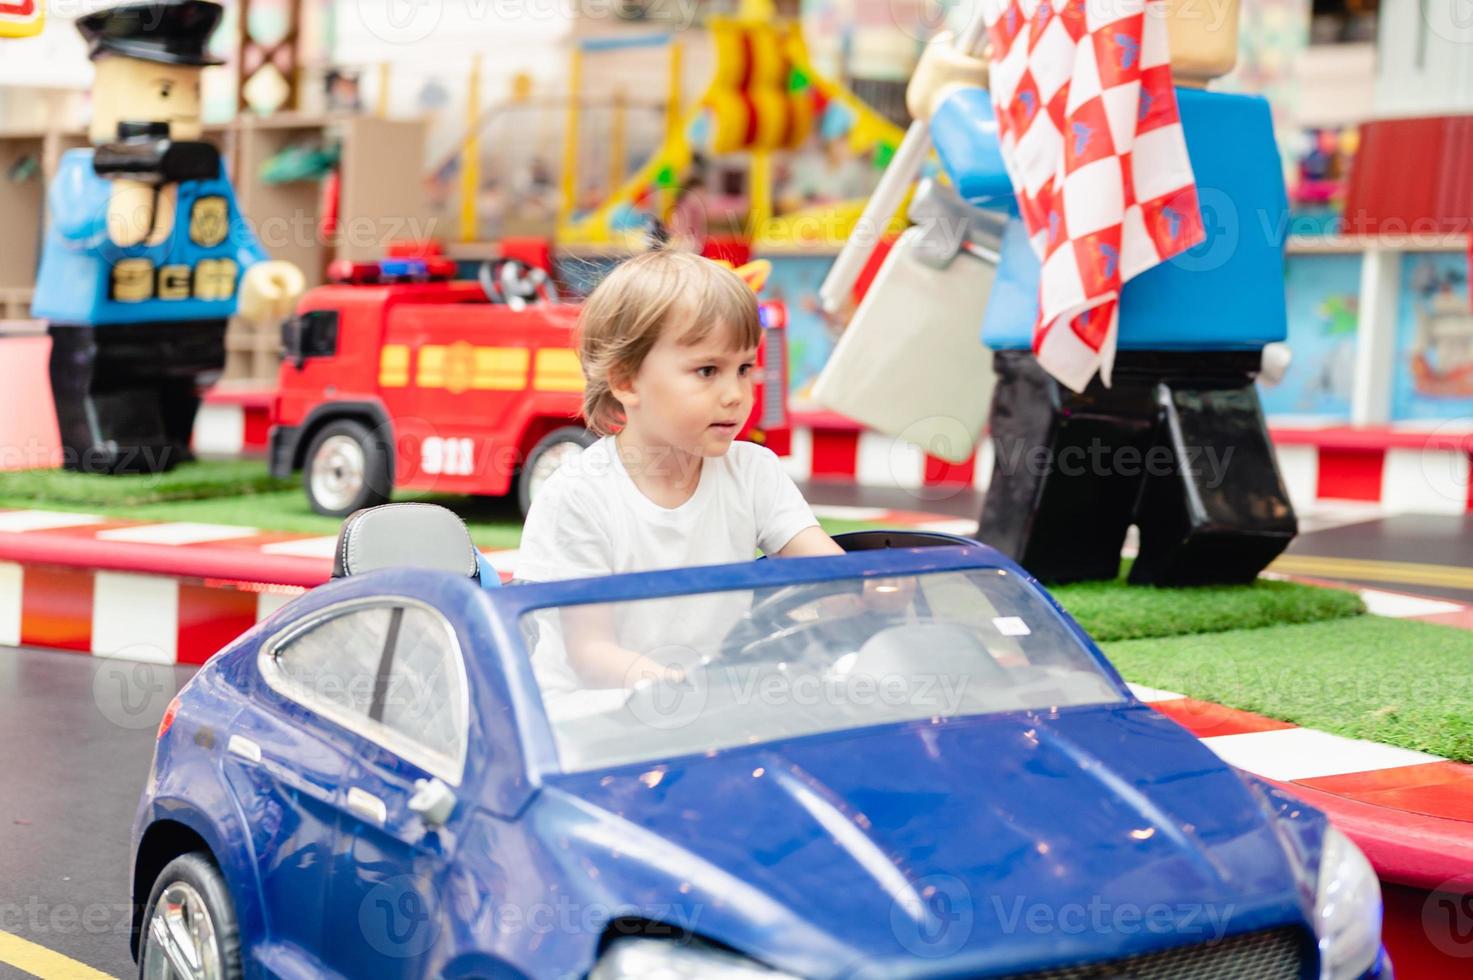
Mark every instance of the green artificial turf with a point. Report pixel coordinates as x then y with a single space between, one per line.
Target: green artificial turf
190 481
1113 610
1395 681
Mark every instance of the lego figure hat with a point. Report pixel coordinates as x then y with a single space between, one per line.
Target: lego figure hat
172 32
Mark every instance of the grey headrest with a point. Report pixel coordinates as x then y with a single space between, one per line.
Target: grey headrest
405 536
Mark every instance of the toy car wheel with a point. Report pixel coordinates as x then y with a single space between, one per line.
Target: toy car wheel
189 927
347 469
551 451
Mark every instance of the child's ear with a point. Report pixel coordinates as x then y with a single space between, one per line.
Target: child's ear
621 386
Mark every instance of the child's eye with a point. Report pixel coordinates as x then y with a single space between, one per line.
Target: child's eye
746 369
706 372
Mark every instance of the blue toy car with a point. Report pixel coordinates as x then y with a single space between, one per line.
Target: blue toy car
905 761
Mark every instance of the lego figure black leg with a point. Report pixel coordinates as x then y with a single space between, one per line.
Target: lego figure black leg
1067 469
1219 513
79 417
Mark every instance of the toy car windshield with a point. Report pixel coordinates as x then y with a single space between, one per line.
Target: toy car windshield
709 670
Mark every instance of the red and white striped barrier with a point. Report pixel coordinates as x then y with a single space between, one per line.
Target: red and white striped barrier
1416 470
233 421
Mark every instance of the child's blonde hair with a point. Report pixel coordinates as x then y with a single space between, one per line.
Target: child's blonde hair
625 315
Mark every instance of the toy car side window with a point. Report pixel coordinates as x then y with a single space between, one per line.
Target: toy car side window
390 671
425 700
333 664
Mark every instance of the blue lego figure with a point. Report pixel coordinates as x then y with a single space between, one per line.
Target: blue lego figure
1177 444
146 254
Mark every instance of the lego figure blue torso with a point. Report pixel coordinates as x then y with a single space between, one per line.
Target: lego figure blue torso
1225 294
194 274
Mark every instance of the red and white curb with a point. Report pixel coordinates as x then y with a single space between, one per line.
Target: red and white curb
1279 750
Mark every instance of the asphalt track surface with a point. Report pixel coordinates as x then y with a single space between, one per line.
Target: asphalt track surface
78 736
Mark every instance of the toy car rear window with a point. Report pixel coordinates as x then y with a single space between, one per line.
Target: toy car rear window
643 680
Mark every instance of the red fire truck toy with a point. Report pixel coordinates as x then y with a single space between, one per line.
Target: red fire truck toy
396 376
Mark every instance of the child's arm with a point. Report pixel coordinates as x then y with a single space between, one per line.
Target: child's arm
810 542
879 595
597 657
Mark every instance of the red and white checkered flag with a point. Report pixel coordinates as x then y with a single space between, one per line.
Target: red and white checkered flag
1093 143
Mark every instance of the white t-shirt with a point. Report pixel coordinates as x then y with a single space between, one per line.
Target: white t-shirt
590 519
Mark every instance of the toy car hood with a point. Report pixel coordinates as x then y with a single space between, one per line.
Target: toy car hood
993 841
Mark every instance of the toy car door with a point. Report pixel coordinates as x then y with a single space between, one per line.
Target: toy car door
284 760
406 803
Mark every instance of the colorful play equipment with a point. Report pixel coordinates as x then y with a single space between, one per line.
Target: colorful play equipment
764 97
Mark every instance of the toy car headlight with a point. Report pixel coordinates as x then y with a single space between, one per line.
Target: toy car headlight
669 960
1347 910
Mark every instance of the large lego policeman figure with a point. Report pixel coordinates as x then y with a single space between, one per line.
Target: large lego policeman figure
146 253
1175 443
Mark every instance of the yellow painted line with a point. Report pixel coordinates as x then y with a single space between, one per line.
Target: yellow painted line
1366 570
39 961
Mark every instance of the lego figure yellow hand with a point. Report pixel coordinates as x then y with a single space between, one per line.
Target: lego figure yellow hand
270 290
941 71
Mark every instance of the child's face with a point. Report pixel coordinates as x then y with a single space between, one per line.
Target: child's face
691 397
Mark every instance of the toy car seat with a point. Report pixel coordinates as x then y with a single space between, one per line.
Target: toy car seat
407 535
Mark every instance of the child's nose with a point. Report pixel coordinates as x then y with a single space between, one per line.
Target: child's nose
733 391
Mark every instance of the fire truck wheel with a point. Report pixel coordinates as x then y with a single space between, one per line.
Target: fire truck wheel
550 452
347 469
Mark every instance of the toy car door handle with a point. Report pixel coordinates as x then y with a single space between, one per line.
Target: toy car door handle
433 801
245 748
367 806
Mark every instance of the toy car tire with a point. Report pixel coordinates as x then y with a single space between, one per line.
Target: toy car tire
346 469
198 899
554 442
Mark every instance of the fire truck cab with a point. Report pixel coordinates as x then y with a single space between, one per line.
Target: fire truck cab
397 376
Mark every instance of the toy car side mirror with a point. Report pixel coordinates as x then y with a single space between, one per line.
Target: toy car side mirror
433 801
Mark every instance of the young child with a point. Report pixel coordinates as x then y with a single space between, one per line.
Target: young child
668 344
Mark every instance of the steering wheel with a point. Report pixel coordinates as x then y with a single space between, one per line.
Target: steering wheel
763 627
515 283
